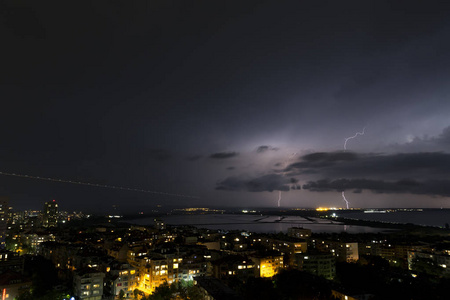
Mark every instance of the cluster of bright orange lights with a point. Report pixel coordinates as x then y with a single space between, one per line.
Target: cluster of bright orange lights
322 209
327 208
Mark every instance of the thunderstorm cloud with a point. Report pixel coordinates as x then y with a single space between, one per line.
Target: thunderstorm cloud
427 165
415 173
264 148
426 187
223 155
265 183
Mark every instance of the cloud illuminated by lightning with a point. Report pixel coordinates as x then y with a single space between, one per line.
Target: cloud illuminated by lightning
352 137
96 185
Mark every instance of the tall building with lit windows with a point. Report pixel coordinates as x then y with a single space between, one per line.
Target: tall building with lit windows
317 263
50 214
154 270
88 284
4 208
268 265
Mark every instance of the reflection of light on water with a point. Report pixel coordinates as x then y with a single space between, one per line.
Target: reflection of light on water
266 224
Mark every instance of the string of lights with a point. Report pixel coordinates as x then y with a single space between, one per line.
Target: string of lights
96 185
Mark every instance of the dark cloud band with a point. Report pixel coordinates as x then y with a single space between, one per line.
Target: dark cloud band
265 183
223 155
429 187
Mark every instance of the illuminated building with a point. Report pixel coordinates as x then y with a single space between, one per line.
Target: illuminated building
395 253
30 222
319 264
154 270
4 208
11 261
287 247
268 266
299 232
34 240
237 266
239 247
134 253
88 284
194 265
344 251
159 224
122 278
50 214
429 263
349 251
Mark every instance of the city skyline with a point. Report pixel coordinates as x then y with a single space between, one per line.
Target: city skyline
254 104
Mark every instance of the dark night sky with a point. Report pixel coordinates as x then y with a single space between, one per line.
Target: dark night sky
228 101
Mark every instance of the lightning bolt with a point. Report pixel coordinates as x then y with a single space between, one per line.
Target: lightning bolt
285 164
345 148
343 197
352 137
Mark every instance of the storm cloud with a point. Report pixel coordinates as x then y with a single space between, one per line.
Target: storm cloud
426 143
223 155
427 187
415 173
265 183
264 148
434 165
194 157
322 160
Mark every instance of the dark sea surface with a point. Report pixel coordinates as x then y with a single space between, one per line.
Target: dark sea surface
427 217
258 223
